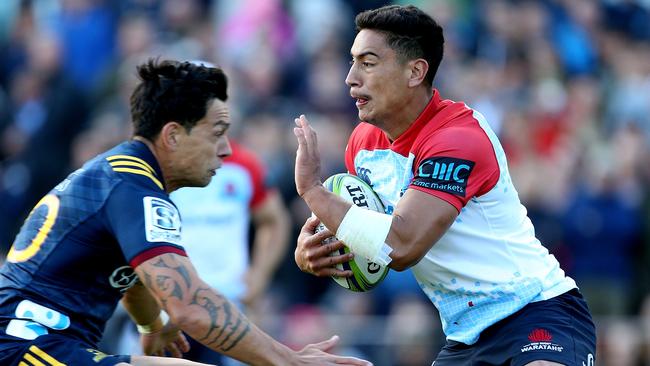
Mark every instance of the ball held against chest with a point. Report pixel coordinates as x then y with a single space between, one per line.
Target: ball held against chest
366 274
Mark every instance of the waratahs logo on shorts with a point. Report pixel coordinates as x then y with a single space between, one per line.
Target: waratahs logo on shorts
541 339
444 174
161 220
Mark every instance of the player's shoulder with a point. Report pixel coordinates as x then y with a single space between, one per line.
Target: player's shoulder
131 162
455 125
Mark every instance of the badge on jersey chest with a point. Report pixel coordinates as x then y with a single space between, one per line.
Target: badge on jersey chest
444 174
162 223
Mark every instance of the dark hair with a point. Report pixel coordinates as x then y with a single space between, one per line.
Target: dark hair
409 31
174 91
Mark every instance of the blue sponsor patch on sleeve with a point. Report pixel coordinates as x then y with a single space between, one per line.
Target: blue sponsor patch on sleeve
444 174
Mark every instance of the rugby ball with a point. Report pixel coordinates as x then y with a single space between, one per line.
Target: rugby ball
366 274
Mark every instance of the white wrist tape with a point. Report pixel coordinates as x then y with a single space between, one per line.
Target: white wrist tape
154 326
364 232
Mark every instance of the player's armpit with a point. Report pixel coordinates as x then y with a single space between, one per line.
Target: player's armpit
419 221
195 307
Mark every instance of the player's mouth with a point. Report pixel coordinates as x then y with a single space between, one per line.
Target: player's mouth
360 102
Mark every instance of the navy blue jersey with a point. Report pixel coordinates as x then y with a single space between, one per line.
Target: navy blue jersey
74 256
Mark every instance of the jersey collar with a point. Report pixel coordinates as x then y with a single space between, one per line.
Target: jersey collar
143 152
403 143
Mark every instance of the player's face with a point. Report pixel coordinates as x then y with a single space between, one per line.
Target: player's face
205 146
378 81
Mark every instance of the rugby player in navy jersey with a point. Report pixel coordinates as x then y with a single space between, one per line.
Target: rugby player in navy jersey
110 232
452 215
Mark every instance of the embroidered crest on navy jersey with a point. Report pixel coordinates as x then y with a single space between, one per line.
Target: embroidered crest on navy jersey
133 165
162 223
444 174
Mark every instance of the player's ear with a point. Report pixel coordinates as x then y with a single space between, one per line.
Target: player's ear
169 135
418 71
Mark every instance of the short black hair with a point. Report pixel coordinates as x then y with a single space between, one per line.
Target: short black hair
174 91
409 31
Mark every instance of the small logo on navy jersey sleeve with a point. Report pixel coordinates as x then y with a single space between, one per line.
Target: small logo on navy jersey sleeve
162 221
444 174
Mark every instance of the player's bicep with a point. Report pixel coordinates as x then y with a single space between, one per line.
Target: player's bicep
419 221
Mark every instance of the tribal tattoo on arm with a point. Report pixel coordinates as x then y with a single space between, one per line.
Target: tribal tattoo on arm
216 322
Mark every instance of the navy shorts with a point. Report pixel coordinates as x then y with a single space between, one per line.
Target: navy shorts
558 329
56 350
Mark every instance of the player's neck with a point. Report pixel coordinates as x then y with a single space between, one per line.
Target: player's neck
160 158
405 115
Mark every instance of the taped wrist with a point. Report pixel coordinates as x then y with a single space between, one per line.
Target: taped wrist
154 326
364 232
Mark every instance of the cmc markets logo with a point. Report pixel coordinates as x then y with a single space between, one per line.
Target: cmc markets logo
541 339
444 174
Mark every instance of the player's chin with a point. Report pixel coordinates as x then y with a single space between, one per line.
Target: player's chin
364 113
203 180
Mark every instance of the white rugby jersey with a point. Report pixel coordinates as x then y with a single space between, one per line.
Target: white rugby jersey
489 264
216 221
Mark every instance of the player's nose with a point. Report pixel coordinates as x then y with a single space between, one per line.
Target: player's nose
224 149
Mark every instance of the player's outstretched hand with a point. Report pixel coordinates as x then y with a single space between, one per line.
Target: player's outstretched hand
307 172
317 354
313 256
167 341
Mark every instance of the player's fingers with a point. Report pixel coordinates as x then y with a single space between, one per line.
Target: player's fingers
329 245
327 344
300 136
332 260
173 350
318 237
324 271
335 272
353 361
182 343
310 135
310 224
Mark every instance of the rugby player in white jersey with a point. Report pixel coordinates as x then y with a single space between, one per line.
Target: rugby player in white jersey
452 215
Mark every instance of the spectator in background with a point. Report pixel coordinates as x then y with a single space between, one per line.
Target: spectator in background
47 112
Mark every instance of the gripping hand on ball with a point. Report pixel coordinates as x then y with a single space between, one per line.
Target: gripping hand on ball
313 256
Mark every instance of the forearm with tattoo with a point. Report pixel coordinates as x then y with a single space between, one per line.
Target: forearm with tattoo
172 280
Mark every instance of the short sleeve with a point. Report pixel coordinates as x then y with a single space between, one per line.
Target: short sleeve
455 164
145 223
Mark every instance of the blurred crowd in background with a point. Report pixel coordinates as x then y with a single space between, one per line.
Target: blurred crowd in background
564 83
